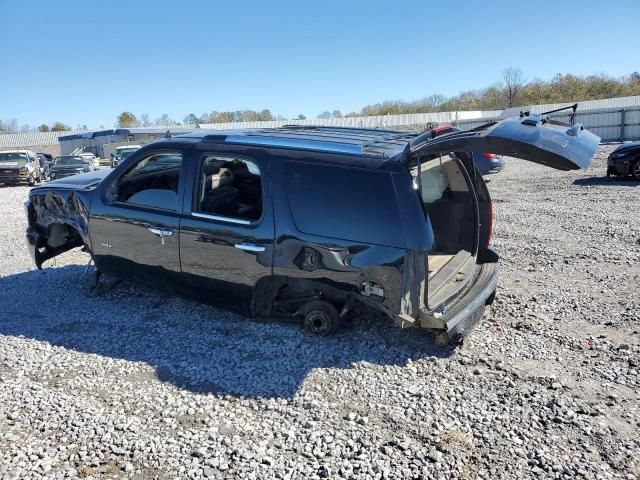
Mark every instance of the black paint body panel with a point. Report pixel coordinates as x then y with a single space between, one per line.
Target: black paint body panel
295 245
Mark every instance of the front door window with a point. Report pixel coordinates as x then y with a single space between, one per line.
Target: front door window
152 182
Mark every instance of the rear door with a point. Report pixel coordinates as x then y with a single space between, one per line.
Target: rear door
227 230
534 138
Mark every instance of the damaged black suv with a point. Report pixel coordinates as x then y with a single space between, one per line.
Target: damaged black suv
312 223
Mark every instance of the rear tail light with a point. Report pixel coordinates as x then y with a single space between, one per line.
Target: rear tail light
489 155
490 233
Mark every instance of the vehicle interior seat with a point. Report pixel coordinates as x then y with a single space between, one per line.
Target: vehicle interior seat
220 196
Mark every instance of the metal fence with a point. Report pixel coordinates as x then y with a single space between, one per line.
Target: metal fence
374 121
613 119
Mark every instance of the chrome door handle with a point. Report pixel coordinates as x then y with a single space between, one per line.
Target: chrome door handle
250 247
161 232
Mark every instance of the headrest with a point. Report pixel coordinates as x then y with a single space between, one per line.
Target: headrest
222 178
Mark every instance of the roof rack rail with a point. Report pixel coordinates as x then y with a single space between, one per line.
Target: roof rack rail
337 127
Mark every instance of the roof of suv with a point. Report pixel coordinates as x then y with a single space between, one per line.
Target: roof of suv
354 141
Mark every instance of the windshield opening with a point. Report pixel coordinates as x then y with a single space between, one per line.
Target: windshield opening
13 157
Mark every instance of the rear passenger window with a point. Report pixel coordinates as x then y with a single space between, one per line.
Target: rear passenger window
347 203
230 187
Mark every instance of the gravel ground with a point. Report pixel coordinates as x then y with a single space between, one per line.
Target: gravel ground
134 384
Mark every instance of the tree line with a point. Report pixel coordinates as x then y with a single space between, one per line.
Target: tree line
13 126
129 120
516 90
513 89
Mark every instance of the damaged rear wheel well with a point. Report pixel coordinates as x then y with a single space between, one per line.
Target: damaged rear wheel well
286 296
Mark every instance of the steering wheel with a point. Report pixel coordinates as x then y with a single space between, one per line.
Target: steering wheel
162 183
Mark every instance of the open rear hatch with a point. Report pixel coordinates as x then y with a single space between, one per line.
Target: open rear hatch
534 137
453 276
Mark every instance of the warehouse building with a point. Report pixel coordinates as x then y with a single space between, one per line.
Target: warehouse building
103 142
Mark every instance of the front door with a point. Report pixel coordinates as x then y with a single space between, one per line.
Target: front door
135 222
226 235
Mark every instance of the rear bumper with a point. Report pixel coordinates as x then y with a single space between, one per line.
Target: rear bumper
495 168
464 312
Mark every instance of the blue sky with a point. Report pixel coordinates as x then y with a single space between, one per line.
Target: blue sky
85 62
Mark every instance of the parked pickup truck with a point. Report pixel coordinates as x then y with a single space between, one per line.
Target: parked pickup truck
122 151
308 223
19 166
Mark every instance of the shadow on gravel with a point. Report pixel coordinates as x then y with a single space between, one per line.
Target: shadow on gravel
192 346
605 181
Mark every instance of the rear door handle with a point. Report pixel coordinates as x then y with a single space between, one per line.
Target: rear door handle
161 232
250 247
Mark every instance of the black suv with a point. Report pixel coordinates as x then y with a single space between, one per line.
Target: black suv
313 223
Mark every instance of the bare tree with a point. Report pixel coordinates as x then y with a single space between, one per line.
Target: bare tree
515 82
12 126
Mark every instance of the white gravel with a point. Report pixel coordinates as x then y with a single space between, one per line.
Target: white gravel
135 384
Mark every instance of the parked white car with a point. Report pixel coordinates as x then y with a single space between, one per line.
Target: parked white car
93 160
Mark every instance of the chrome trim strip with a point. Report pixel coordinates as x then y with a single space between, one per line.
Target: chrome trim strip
221 219
250 247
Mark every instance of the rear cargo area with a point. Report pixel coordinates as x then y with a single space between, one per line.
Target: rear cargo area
448 202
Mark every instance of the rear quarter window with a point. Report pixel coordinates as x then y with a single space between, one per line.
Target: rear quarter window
346 203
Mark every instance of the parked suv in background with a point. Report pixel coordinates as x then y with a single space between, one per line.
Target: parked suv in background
19 166
45 165
67 165
309 223
116 155
625 160
487 163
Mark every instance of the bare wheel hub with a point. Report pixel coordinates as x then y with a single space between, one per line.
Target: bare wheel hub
318 322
